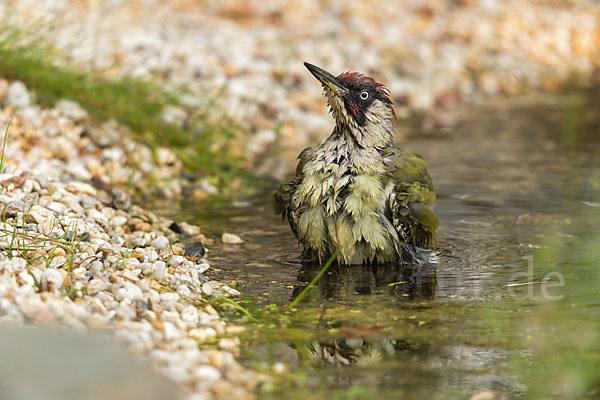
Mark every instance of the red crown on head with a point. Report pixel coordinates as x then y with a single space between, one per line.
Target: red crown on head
358 79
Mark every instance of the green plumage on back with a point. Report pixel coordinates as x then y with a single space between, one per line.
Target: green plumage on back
414 196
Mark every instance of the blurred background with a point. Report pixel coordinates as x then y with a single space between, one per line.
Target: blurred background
240 65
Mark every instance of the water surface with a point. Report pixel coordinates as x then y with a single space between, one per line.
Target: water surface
506 174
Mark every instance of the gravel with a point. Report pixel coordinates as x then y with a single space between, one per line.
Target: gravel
87 259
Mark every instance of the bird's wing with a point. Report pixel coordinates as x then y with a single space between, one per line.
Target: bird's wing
282 198
412 199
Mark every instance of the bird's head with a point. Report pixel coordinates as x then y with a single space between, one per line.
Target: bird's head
357 102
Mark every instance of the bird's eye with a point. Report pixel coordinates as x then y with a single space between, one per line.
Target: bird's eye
364 95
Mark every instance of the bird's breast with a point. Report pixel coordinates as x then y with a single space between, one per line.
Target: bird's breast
341 189
341 206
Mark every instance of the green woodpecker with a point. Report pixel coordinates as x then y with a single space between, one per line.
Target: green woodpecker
356 191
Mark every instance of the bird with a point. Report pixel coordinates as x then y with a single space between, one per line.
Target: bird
356 195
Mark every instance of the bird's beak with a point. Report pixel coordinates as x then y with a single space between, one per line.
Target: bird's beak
327 79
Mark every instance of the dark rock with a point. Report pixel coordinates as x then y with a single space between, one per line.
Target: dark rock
176 228
85 237
120 199
194 250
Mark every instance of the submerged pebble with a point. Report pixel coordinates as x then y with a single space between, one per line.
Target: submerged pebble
194 250
230 238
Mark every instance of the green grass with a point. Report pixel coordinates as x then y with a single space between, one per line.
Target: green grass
4 146
132 102
314 281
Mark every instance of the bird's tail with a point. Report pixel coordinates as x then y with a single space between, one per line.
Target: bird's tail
414 255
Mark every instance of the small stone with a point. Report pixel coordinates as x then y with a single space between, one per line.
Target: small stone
125 312
176 261
165 156
189 315
35 309
14 182
171 332
160 243
173 115
59 251
194 250
203 334
51 280
189 229
42 216
151 255
158 270
143 227
71 109
230 344
79 273
280 368
184 291
17 95
132 274
130 292
58 262
75 167
231 291
207 187
30 186
105 135
207 289
12 208
175 227
82 187
148 315
230 238
57 207
119 220
120 199
487 395
205 375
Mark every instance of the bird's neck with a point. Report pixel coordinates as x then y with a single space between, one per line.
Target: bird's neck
369 136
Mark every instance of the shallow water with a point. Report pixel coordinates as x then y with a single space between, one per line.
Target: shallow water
506 173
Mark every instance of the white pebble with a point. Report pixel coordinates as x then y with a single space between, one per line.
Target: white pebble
130 292
171 332
160 243
51 280
18 95
118 221
206 374
230 238
158 270
176 260
207 289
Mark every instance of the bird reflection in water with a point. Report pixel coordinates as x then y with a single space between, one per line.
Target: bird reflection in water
405 281
359 346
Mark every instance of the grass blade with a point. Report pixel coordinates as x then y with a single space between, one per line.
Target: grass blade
312 283
237 306
4 146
